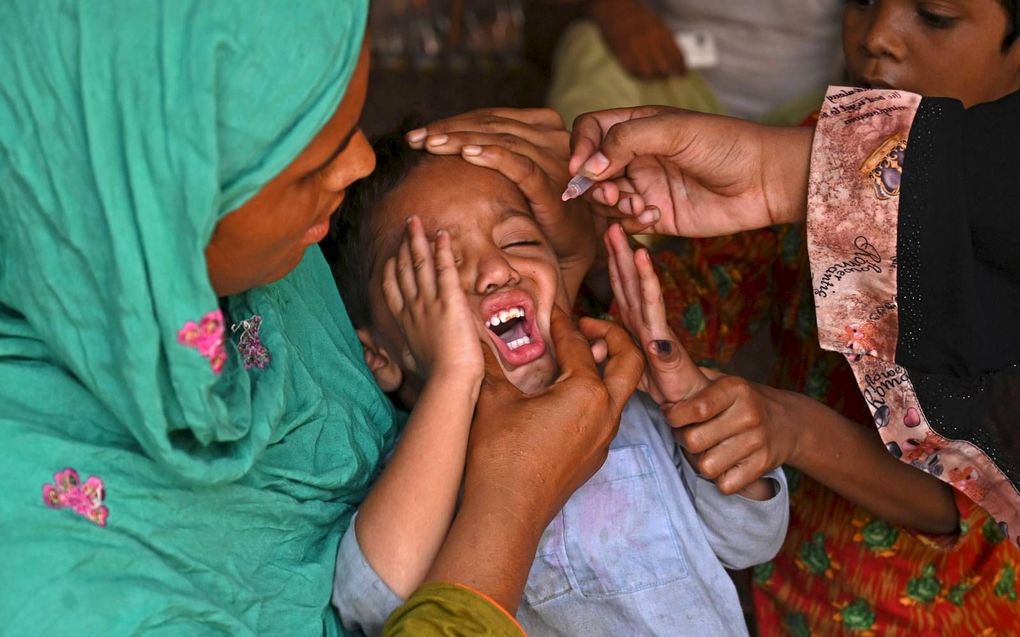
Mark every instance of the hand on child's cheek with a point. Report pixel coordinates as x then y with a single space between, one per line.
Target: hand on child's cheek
422 289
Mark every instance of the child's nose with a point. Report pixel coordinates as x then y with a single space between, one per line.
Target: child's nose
882 38
494 273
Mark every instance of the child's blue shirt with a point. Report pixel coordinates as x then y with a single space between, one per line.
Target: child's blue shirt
640 549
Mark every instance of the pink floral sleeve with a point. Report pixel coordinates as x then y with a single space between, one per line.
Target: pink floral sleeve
853 207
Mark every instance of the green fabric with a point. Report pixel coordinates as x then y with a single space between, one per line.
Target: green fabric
448 610
127 129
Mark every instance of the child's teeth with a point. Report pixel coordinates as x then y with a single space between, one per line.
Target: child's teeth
505 315
524 340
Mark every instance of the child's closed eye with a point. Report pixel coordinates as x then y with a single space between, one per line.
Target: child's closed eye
521 238
522 243
936 20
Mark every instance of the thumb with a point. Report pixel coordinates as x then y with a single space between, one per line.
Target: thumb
673 371
589 133
653 134
495 385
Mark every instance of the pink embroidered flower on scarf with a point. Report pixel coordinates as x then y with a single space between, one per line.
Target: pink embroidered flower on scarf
84 499
253 352
207 337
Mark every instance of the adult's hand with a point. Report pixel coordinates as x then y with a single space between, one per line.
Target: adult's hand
738 430
639 39
527 455
530 147
677 172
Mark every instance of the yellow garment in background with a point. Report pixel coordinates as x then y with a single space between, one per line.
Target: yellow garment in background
587 77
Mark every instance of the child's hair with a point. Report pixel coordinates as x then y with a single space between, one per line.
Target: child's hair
1012 8
349 248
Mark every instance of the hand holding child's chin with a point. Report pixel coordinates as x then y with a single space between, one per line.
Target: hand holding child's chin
534 451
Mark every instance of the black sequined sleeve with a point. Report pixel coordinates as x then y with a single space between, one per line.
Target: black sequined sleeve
959 239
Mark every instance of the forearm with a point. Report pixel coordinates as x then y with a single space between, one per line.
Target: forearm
490 547
852 461
402 523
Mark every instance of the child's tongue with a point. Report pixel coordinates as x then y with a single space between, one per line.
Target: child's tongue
511 331
517 342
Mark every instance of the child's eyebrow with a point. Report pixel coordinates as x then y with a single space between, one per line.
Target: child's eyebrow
510 212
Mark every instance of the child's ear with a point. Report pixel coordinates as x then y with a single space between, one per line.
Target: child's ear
384 368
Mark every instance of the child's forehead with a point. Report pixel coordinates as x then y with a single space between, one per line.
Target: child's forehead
448 191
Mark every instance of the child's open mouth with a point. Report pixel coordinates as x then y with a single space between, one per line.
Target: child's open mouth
510 319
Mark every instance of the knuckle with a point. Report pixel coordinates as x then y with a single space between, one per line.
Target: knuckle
619 135
531 171
596 395
692 440
734 384
550 115
700 411
726 485
747 420
509 141
631 353
706 468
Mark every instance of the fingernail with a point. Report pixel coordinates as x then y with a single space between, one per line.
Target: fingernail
471 151
415 135
437 140
626 206
649 216
595 165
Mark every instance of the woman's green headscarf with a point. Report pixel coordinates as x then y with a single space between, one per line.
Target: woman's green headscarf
128 129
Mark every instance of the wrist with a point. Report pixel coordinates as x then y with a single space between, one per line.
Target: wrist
815 426
786 164
456 376
793 410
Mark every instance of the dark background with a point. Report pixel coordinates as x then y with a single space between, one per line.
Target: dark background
435 59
